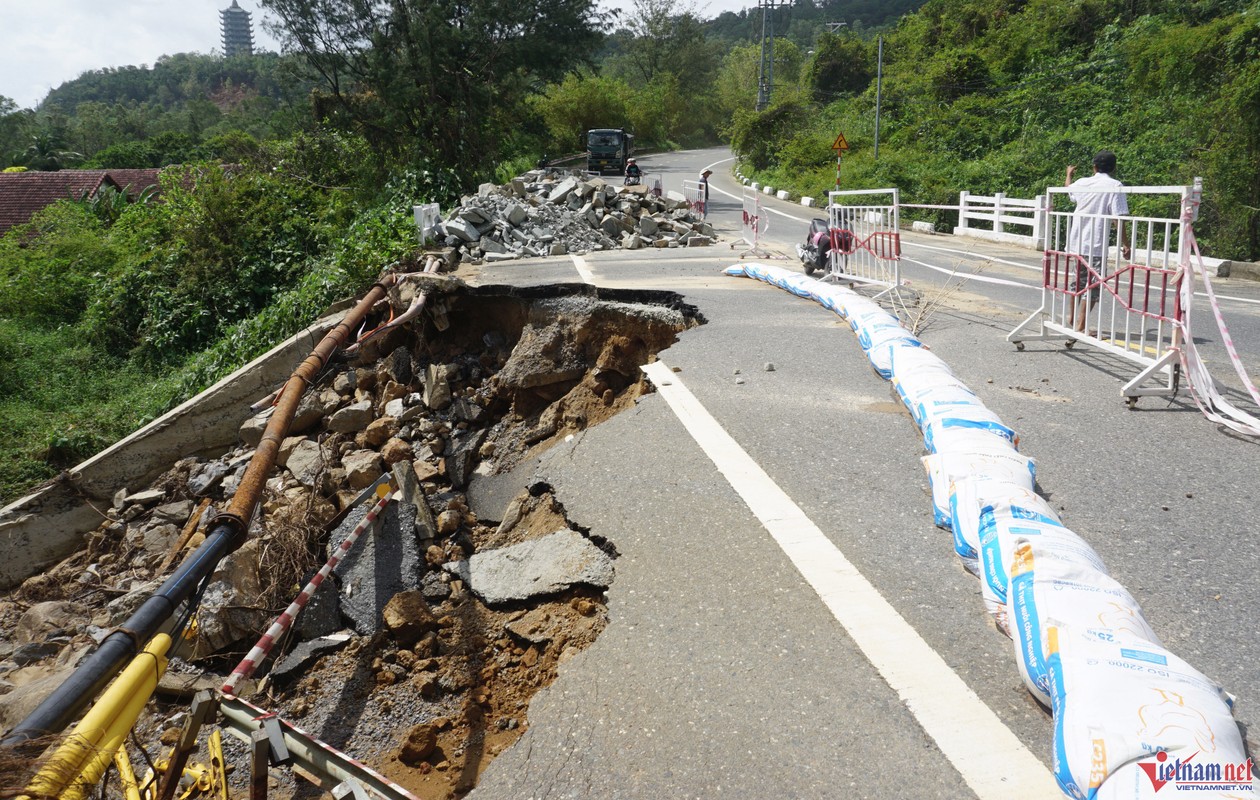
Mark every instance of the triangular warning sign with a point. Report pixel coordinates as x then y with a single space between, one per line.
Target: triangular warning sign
840 143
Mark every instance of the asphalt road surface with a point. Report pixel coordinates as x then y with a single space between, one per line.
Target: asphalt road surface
786 620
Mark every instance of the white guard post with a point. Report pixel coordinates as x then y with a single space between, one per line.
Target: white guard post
754 223
1137 313
865 237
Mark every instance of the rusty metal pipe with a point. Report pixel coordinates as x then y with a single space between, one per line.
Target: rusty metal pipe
227 532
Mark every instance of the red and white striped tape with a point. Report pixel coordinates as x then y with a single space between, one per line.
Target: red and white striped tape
260 650
1202 386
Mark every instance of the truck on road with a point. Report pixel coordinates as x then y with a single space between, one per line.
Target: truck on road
607 150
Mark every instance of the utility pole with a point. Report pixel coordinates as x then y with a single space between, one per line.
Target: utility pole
879 90
765 77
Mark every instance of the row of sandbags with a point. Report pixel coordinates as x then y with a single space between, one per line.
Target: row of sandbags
1126 710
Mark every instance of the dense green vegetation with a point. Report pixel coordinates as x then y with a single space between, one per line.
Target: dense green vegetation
107 322
111 312
1000 95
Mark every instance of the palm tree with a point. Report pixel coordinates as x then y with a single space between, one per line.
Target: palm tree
47 153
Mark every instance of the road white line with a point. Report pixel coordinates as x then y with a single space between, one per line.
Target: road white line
580 264
969 276
973 254
990 758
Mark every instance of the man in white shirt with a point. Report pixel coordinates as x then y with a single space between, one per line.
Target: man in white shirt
1099 202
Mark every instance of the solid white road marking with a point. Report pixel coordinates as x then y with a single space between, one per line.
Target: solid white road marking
580 264
971 276
990 758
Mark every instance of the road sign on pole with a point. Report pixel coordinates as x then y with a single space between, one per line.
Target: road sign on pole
841 146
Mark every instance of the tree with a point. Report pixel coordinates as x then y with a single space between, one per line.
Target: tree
13 126
841 66
667 34
580 103
47 153
435 79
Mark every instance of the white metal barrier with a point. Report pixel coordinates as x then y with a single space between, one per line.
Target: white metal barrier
1123 297
865 237
694 192
1000 214
754 222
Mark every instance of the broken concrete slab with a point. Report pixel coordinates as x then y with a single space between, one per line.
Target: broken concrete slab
534 568
305 654
385 561
461 229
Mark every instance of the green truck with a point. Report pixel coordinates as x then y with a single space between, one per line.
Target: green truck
607 150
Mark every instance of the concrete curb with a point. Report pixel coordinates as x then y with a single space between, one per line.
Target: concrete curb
1244 270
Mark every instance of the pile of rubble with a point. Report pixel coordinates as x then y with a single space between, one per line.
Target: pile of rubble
542 214
422 652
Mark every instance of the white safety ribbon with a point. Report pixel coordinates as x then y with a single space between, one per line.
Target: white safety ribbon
1202 386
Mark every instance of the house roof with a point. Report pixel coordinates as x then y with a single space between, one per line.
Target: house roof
134 181
24 193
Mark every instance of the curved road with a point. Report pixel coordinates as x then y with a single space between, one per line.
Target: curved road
786 620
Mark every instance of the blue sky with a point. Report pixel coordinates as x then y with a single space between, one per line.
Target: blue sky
49 42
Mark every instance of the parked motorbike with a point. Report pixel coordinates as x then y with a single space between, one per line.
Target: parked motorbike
633 180
815 252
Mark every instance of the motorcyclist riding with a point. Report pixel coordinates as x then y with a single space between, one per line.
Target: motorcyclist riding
634 174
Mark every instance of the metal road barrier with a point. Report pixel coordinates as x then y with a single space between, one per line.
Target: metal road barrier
694 192
290 744
1123 297
754 223
865 237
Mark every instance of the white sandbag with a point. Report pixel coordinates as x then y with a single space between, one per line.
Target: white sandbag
970 440
941 402
1081 598
944 469
1002 528
862 306
908 365
916 388
1117 706
835 298
861 318
873 335
881 355
968 417
969 496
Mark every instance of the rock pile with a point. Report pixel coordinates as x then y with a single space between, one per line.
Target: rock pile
540 214
420 610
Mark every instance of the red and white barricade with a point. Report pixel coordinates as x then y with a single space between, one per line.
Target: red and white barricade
865 236
753 223
1123 296
696 201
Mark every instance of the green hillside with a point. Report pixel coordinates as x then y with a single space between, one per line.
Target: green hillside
1000 95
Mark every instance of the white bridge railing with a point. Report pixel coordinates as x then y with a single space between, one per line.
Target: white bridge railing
999 218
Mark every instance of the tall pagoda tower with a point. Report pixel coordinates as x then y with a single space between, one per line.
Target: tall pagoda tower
238 33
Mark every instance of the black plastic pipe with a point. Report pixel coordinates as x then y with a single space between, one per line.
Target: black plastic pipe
117 649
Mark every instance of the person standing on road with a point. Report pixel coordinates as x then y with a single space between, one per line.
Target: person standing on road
1098 200
704 192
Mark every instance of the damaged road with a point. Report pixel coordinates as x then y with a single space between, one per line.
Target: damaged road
717 670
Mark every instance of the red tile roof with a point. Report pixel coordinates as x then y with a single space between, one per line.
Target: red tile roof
134 181
24 193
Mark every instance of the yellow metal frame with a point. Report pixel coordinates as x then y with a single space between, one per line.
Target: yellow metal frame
80 761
